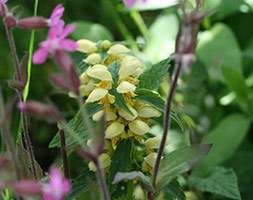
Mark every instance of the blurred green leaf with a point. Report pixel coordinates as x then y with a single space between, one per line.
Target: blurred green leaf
218 47
160 46
153 77
78 126
174 191
236 82
219 181
91 31
179 161
226 138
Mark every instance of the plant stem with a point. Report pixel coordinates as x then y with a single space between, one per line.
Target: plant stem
21 99
166 123
64 154
102 181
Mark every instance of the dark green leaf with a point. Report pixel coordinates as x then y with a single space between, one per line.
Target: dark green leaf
113 68
82 67
152 78
236 82
78 126
123 176
219 180
174 191
231 130
179 161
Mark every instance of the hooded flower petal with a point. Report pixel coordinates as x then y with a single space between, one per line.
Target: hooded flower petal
128 116
114 130
99 73
96 95
138 127
148 112
130 66
105 161
125 87
118 49
86 46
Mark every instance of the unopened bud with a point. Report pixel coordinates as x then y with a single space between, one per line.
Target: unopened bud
94 58
106 44
32 23
44 111
27 188
10 21
118 49
86 46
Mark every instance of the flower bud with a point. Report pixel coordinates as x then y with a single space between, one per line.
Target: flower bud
96 95
148 112
10 21
27 187
93 59
118 49
114 129
33 23
84 78
128 116
106 44
138 127
86 46
130 66
125 87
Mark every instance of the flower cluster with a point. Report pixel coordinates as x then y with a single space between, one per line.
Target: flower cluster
112 77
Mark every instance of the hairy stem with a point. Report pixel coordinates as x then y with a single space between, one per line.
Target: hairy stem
64 154
21 99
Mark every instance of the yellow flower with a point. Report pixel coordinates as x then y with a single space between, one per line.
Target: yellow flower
130 66
128 116
125 87
86 46
105 161
106 44
149 162
84 78
96 95
147 111
109 115
99 72
154 143
118 49
114 130
94 58
138 127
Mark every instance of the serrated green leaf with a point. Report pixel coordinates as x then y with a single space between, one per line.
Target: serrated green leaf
77 124
121 160
113 68
122 176
153 77
231 130
179 161
235 82
174 191
219 181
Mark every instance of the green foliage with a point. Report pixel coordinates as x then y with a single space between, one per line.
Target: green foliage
231 130
219 181
174 191
179 161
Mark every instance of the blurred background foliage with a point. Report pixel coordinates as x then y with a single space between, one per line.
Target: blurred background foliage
214 97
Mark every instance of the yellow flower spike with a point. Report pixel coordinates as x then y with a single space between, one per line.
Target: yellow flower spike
96 95
114 130
105 161
125 87
84 79
94 58
138 127
148 112
106 44
118 49
99 73
126 115
86 46
130 66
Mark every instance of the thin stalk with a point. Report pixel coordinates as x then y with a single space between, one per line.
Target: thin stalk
64 154
102 181
166 122
140 23
21 98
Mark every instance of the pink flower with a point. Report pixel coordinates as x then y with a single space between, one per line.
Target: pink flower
130 3
56 15
56 40
3 7
57 187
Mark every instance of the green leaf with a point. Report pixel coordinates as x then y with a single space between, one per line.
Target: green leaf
236 82
219 181
121 160
91 31
152 78
174 191
226 138
179 161
77 124
113 68
121 176
218 47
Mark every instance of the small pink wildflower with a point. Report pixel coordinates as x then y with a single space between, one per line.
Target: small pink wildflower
56 40
3 7
56 15
57 187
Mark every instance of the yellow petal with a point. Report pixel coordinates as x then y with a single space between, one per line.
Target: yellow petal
125 87
96 95
154 143
98 115
98 73
99 66
138 127
105 161
126 115
106 44
130 65
84 79
114 129
86 46
86 89
94 58
148 111
110 115
118 49
150 159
